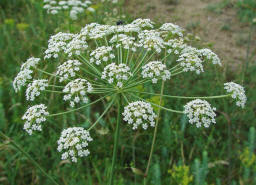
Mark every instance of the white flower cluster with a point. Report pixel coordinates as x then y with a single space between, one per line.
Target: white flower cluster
190 61
68 69
151 40
73 143
200 113
77 90
34 88
57 43
74 6
31 62
116 74
175 46
25 73
101 54
172 28
209 55
124 41
139 113
143 23
34 116
67 42
21 79
155 70
238 93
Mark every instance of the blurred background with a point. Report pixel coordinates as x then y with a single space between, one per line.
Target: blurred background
222 154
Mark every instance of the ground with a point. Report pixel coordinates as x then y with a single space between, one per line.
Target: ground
217 26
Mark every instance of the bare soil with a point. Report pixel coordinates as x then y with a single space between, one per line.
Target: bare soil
224 31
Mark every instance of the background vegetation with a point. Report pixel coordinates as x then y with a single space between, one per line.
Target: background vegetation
221 154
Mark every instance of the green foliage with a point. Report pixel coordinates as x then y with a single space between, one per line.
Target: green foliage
200 170
180 175
246 10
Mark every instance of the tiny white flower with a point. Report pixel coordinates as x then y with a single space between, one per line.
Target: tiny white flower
73 143
139 113
237 93
34 116
200 113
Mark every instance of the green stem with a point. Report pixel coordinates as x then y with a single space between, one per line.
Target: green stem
184 97
116 140
57 114
108 107
170 110
28 156
154 136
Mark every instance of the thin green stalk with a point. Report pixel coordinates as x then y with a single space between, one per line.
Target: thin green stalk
170 110
46 72
184 97
105 111
28 156
116 140
50 91
155 132
57 114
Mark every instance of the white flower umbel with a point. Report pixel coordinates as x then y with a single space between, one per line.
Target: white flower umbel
190 61
116 74
139 113
143 23
175 46
237 93
31 62
57 44
73 143
209 55
68 69
171 28
100 31
151 40
124 41
34 89
77 45
200 113
74 7
76 91
34 116
101 54
155 70
21 79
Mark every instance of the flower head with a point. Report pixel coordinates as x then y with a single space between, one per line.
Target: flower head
139 113
73 143
200 113
31 62
75 7
172 28
151 40
34 89
68 69
21 79
155 70
190 61
237 93
143 23
34 116
101 54
77 90
116 74
124 41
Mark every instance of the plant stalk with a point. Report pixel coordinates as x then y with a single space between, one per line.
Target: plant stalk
116 140
154 136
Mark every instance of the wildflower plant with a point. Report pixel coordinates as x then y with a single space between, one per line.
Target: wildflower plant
74 7
109 62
